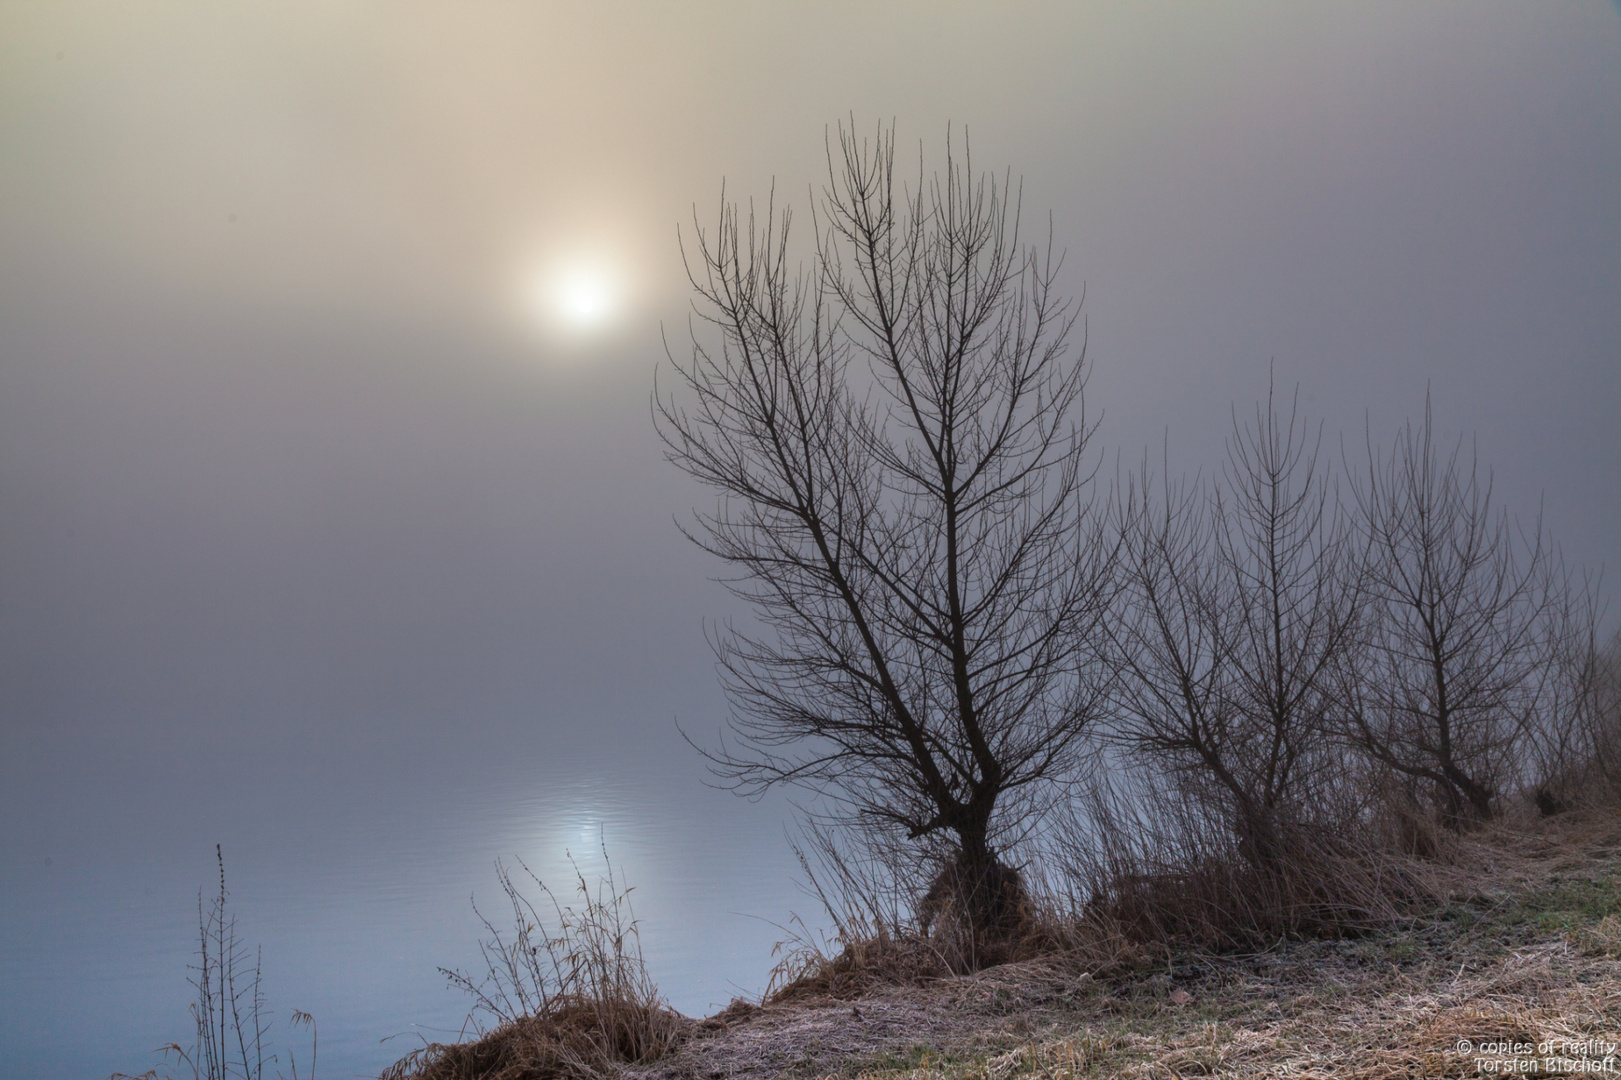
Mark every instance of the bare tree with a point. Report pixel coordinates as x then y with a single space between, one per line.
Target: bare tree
1238 604
1576 737
898 440
1600 712
1172 640
1459 644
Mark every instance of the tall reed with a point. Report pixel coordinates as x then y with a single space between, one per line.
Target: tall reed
229 1010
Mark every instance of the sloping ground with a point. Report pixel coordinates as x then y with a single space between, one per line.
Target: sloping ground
1518 973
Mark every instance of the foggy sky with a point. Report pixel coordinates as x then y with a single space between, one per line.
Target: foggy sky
283 458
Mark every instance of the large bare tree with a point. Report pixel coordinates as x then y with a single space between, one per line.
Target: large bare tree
898 441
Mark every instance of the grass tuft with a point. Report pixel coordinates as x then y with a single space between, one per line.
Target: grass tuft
574 1003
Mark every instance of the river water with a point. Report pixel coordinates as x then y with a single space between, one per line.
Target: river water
353 865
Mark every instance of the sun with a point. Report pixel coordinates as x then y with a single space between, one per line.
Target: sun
576 297
585 299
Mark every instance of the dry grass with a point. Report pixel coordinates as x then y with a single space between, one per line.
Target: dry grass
1224 903
1139 912
1519 946
1172 870
1337 1022
578 1039
862 964
1300 1015
574 1003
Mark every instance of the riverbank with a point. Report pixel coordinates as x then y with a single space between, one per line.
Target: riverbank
1516 969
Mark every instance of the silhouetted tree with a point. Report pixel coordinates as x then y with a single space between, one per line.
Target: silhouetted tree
898 440
1460 639
1576 739
1239 599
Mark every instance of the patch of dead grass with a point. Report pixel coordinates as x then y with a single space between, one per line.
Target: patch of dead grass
1484 964
577 1039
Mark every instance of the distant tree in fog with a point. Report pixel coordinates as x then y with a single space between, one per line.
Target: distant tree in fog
1461 639
1239 600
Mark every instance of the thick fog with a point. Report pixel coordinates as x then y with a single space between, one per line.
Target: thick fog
314 496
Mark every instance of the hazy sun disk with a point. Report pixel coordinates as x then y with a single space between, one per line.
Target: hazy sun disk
578 297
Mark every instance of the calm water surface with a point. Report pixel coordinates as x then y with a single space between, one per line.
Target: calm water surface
353 867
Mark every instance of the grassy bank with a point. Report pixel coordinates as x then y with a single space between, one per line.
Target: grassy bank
1520 946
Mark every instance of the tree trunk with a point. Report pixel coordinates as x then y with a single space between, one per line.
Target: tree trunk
990 894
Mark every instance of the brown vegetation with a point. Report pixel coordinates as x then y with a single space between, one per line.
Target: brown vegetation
1519 945
578 1039
574 1003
